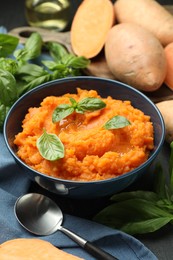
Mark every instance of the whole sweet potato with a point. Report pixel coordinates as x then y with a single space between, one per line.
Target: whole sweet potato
149 14
135 56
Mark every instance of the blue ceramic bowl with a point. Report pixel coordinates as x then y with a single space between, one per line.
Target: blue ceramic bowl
105 87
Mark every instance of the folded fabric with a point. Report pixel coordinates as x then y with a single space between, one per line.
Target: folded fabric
13 183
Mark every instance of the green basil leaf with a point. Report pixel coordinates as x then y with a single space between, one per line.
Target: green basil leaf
30 71
32 48
145 226
34 83
3 112
140 194
8 89
116 122
133 211
74 103
8 44
57 50
50 147
9 65
75 62
52 65
90 104
160 186
61 112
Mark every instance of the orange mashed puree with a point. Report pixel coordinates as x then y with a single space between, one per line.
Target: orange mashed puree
91 152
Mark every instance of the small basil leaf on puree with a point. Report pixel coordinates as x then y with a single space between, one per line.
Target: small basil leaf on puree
86 104
117 122
50 146
90 104
61 112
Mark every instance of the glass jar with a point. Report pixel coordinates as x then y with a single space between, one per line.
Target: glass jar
47 14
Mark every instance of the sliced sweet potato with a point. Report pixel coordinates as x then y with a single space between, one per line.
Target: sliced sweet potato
28 248
90 26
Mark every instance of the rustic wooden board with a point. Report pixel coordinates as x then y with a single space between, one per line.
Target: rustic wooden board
98 66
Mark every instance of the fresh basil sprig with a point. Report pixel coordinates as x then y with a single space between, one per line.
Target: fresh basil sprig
26 67
139 212
86 104
50 146
117 122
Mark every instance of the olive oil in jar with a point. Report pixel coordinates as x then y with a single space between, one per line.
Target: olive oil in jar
47 14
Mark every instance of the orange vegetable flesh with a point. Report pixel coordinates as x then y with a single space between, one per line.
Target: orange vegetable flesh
90 26
32 249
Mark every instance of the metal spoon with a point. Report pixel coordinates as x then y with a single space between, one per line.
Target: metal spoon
41 216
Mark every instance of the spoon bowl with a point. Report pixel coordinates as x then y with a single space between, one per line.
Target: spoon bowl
41 216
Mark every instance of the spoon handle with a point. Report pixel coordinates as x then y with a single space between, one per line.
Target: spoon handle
93 250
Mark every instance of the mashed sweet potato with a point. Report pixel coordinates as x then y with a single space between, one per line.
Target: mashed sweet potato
91 151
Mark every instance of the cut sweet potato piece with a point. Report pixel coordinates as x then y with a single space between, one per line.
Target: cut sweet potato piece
90 26
28 248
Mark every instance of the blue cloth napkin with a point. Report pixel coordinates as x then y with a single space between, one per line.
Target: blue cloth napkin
13 183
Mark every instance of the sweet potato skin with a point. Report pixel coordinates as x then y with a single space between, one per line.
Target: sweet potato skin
169 58
149 14
135 56
90 26
166 109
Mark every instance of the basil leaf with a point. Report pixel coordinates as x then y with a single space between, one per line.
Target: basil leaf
52 65
74 103
160 186
8 44
145 226
75 62
57 50
116 122
3 112
9 65
90 104
32 48
29 72
140 194
50 147
8 89
125 215
61 112
34 83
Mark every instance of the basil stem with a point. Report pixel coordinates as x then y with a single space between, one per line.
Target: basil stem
116 122
50 146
